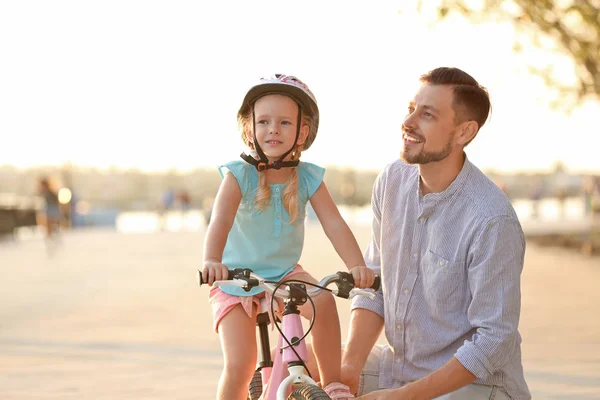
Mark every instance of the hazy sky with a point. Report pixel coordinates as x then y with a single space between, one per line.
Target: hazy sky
157 84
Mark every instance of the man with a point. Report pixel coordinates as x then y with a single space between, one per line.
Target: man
450 251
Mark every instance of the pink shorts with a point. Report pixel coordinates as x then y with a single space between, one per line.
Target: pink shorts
221 302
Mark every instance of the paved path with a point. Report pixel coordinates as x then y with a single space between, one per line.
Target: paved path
119 316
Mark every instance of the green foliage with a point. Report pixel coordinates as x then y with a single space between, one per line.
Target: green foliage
572 25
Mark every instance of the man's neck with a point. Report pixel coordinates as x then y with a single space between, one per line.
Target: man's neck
435 177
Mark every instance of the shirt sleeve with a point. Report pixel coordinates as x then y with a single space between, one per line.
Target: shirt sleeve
311 176
495 265
372 255
241 172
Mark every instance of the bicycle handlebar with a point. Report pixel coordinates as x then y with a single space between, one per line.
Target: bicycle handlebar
247 279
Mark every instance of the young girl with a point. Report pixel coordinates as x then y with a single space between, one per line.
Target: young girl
263 198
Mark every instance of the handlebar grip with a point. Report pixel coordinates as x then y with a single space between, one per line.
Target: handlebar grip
376 283
374 286
201 281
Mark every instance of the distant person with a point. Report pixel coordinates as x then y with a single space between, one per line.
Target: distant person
536 198
592 197
562 194
167 199
258 223
450 249
588 187
50 217
184 200
596 197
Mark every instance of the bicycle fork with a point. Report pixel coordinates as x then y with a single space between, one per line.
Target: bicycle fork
276 380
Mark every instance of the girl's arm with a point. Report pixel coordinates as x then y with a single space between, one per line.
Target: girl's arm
341 236
223 214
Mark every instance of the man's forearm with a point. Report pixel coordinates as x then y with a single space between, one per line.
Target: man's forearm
448 378
365 328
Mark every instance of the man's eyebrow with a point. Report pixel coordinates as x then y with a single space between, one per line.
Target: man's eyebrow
427 107
431 108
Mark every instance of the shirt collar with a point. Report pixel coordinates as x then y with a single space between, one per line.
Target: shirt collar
430 200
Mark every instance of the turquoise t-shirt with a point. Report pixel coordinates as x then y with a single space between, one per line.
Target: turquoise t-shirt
264 240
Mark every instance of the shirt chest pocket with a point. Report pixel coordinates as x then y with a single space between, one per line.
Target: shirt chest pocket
444 281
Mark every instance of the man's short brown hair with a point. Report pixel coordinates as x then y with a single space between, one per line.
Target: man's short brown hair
471 100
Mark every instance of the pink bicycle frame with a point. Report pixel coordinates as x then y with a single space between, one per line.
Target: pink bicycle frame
273 377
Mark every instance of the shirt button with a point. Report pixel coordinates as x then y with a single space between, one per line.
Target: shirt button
405 291
398 359
277 190
422 219
415 256
278 201
278 215
399 326
442 262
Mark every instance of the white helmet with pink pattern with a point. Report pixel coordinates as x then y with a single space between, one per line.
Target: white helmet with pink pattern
289 86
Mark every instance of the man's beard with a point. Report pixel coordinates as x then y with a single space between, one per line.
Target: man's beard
426 157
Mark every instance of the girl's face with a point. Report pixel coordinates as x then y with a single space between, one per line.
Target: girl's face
276 119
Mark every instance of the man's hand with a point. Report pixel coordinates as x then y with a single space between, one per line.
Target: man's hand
350 377
363 277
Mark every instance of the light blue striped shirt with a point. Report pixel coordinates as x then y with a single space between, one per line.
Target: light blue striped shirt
451 267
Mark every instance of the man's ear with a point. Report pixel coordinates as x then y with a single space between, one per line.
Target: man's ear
467 132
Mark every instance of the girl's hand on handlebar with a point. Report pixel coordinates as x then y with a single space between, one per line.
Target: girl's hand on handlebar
363 277
214 271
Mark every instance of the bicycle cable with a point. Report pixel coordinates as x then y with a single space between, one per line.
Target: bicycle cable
312 322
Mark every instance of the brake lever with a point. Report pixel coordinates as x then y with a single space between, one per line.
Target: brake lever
360 292
236 282
237 277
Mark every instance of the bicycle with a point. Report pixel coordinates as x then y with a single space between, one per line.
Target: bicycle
270 375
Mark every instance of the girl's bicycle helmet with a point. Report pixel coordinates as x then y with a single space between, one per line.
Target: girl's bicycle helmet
297 90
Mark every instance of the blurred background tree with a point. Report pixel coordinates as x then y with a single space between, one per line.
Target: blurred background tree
567 27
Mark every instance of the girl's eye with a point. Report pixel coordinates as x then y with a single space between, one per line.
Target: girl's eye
262 121
428 115
286 123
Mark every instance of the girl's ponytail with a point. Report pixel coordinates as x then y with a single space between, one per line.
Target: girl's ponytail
263 191
290 196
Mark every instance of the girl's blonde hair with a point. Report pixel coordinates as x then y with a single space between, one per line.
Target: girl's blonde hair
263 192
